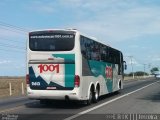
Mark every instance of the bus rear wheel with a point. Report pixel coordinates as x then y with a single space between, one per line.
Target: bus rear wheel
90 99
96 96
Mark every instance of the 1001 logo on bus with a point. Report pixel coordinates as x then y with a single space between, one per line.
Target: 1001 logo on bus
109 72
46 68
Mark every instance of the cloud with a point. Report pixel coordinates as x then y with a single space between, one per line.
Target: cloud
71 3
154 58
5 61
112 20
46 9
8 64
42 7
124 25
134 46
11 33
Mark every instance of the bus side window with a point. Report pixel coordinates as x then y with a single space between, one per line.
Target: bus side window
109 59
111 56
120 63
103 53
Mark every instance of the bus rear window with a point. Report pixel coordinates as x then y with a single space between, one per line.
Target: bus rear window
51 42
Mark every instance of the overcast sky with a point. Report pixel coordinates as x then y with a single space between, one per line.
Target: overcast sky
132 26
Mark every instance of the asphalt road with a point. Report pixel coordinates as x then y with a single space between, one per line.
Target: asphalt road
137 97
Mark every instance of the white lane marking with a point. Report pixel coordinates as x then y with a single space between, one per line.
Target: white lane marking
96 107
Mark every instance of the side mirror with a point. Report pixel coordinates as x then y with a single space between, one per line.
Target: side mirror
125 65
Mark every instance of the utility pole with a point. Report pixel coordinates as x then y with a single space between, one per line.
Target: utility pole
131 58
144 70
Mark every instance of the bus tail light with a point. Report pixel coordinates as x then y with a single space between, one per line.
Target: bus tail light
27 79
76 81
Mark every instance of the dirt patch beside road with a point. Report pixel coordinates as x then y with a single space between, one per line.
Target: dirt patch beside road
16 86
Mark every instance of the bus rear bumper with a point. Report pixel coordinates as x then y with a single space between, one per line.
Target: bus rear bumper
53 94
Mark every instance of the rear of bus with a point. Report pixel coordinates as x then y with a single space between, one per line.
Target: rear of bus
52 65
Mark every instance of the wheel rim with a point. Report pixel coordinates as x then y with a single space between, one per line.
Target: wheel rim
96 95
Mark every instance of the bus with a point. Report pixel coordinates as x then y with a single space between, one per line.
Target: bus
68 65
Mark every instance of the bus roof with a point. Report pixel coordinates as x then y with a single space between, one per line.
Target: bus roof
71 30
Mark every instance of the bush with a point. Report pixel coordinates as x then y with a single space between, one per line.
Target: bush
138 73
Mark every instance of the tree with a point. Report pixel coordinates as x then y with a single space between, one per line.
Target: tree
140 73
154 70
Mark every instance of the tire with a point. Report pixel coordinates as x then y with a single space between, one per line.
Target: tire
120 85
96 96
90 100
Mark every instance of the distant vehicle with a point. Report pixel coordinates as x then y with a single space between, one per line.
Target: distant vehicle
67 65
157 75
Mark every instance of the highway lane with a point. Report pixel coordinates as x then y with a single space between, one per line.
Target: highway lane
10 102
142 101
